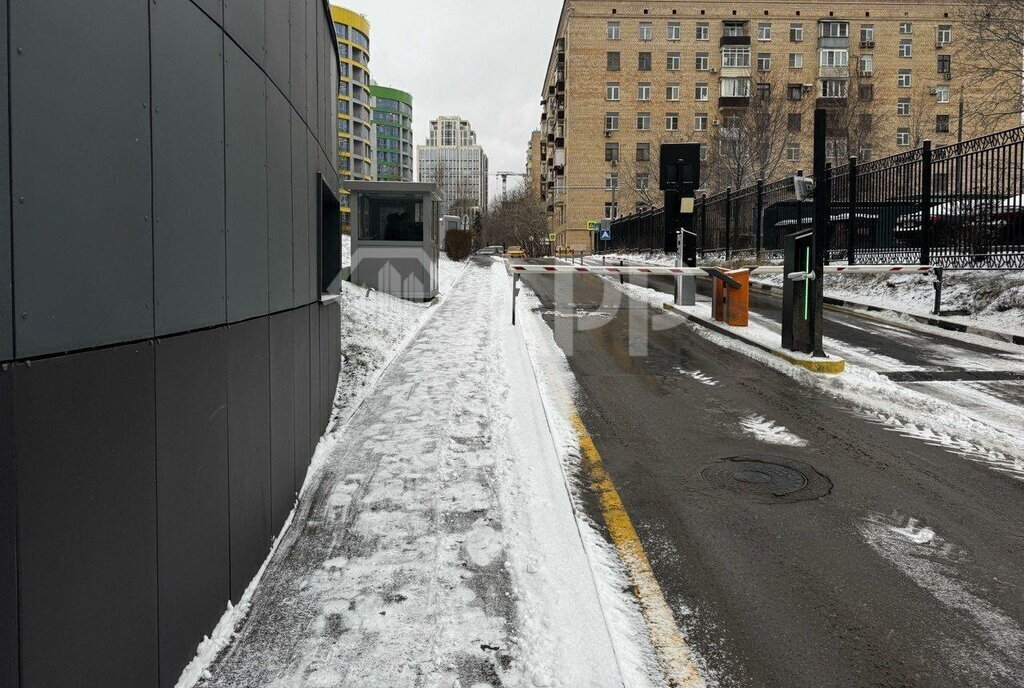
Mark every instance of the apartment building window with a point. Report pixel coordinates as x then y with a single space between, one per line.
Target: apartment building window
905 49
867 35
796 60
866 92
643 91
942 124
643 121
764 31
835 58
614 31
903 137
793 151
945 64
700 121
942 94
611 121
903 107
643 181
673 62
734 28
614 61
865 155
646 31
611 91
735 87
835 148
796 33
643 62
675 31
903 78
611 180
672 121
794 91
643 152
672 92
867 65
832 29
703 31
611 211
794 121
611 152
702 61
703 151
764 91
833 88
700 91
764 62
866 122
906 28
944 35
736 56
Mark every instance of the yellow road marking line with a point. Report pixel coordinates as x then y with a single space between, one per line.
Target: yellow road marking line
674 655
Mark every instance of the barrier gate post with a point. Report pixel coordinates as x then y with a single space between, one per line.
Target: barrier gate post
679 179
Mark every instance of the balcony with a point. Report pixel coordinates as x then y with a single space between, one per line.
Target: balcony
867 44
733 101
734 40
865 73
830 102
834 72
833 42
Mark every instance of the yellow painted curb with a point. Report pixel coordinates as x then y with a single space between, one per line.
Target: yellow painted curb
674 655
830 366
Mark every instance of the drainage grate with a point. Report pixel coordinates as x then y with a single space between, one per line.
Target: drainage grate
770 479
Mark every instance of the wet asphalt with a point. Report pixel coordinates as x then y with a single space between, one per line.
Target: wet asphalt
762 550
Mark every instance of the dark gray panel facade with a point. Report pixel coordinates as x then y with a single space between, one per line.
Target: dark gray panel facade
282 417
249 449
246 129
8 537
297 48
312 227
246 22
316 412
310 114
303 447
278 42
279 200
214 8
192 489
81 174
188 167
87 547
6 314
302 281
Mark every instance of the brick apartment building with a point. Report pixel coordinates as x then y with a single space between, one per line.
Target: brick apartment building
626 76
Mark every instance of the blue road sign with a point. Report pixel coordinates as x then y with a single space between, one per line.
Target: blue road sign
605 235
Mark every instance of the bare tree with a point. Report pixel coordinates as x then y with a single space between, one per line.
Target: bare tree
995 34
639 184
517 219
855 125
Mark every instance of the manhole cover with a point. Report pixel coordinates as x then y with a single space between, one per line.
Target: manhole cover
767 478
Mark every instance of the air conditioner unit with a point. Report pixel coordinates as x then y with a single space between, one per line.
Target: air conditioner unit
808 87
947 75
867 44
933 92
608 133
713 70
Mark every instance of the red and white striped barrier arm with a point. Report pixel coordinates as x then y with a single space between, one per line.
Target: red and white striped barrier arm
868 269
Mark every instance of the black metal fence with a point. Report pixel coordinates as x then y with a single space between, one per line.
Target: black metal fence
957 206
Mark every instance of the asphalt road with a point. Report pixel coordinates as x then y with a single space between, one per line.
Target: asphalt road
863 558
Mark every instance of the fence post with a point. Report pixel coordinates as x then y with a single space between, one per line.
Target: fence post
926 203
703 224
728 222
851 212
758 215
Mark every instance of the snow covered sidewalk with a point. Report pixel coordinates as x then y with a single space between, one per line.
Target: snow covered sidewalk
439 544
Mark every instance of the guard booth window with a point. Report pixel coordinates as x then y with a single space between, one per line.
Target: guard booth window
329 239
390 219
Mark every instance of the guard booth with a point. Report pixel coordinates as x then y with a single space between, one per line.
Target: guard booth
396 237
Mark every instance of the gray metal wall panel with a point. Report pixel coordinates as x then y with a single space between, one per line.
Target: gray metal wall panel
188 166
83 239
300 214
246 127
313 11
315 410
87 547
246 22
282 417
279 199
303 448
297 48
6 314
214 8
8 538
278 42
313 163
326 388
192 492
249 449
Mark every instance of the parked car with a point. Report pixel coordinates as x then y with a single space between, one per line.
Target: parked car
1008 219
489 251
515 252
962 222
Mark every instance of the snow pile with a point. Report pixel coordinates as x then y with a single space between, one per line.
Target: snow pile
991 298
770 432
645 257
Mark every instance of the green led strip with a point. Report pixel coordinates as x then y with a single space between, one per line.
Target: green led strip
807 286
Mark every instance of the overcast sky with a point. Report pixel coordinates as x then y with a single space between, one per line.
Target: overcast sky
483 60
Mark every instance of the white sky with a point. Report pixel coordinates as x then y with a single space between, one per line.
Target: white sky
483 60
